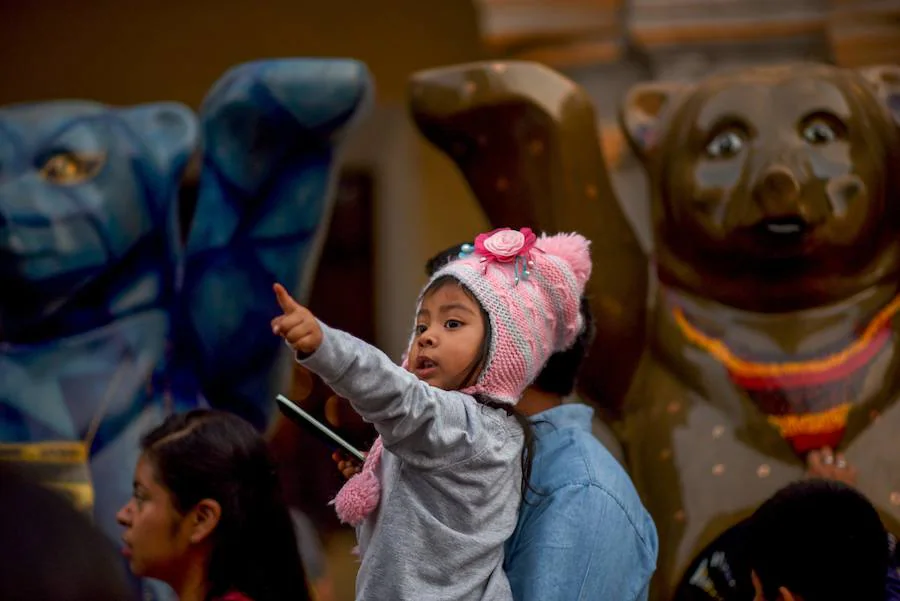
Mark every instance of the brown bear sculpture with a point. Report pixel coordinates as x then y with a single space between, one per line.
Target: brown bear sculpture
773 329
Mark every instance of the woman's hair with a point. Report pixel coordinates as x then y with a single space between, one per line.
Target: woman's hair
215 455
480 363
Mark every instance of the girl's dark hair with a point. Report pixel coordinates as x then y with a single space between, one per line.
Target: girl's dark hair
480 363
215 455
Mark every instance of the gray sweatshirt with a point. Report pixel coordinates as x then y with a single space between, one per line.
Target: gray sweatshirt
450 480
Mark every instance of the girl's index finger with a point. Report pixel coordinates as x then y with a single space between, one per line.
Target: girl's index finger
285 300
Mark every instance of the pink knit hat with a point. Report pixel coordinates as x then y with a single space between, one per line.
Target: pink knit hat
531 289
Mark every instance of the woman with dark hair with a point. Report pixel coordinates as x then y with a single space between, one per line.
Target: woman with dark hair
207 517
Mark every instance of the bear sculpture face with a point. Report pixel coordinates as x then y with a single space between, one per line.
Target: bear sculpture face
83 188
771 180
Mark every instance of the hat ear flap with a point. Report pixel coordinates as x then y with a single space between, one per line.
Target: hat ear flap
574 249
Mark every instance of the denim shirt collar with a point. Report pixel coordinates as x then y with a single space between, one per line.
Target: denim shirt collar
566 415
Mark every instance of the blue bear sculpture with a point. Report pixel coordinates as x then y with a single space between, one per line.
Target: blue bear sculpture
108 320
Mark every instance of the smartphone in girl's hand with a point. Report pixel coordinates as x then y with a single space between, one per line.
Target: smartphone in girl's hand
293 411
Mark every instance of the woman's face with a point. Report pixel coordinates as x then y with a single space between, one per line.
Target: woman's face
156 536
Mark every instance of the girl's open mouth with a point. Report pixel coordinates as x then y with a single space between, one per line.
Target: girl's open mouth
425 367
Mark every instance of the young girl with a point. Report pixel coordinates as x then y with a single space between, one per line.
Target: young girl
440 489
206 516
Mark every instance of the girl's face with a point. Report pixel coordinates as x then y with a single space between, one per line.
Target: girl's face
156 536
446 349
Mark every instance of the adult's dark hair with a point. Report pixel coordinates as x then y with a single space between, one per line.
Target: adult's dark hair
821 540
215 455
560 372
442 258
49 551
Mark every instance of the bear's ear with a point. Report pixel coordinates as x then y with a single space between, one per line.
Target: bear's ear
886 81
643 113
169 130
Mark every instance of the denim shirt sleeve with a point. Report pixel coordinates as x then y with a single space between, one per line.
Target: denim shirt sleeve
578 544
424 425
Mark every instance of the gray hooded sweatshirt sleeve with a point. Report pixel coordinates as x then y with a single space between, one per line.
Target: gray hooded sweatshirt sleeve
450 480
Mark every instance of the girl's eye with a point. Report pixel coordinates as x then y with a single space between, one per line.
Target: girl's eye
420 329
452 324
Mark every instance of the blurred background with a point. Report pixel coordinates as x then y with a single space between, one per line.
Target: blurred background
399 200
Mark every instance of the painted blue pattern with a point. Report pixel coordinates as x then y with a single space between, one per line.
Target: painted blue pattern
98 297
269 137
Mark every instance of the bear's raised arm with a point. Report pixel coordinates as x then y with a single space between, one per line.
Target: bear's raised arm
269 133
525 138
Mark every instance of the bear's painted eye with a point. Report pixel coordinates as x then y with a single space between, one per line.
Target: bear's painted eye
819 133
70 168
725 145
822 128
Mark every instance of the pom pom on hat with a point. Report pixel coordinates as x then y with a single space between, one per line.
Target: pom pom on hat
574 249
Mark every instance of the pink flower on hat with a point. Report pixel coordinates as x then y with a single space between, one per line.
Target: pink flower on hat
504 245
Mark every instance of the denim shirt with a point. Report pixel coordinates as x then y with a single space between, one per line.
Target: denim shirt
582 533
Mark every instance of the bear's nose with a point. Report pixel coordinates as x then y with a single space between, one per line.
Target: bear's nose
779 184
778 191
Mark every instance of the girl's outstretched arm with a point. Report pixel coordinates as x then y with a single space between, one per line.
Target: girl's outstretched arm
427 426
